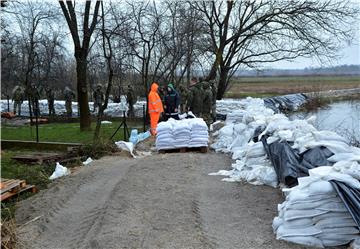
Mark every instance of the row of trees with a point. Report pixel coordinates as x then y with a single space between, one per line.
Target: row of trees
165 41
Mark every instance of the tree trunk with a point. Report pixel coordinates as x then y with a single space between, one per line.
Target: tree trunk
222 83
82 91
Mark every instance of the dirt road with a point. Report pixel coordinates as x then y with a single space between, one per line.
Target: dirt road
161 201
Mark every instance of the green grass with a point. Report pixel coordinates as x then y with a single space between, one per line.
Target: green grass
271 86
37 175
33 174
240 95
63 132
300 79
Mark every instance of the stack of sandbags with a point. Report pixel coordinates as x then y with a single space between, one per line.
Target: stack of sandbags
251 166
199 133
164 137
313 214
184 133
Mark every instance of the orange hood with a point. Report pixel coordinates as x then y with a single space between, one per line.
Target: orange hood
154 87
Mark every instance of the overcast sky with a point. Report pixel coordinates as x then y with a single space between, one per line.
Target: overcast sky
350 54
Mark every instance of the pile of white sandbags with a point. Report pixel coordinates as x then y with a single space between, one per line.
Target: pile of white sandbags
251 163
313 214
164 136
252 166
188 133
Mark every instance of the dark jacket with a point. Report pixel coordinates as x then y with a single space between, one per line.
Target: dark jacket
172 101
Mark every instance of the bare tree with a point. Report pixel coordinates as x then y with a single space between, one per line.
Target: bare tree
142 38
106 35
81 52
30 17
253 32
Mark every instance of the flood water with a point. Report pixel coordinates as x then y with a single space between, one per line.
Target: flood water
343 117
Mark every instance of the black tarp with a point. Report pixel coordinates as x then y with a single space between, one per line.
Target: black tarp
288 102
350 197
289 164
284 160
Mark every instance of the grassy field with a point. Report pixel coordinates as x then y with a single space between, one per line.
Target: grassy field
37 175
271 86
63 132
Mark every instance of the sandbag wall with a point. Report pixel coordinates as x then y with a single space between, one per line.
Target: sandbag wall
269 149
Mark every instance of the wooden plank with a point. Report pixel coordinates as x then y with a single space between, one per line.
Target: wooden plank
11 194
203 149
14 186
37 157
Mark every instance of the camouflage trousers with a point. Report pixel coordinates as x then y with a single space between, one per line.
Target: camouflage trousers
207 118
68 107
17 107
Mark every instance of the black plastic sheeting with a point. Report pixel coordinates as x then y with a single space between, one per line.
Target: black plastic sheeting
289 164
285 103
350 197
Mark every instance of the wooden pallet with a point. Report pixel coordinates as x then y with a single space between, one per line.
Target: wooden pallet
37 158
203 149
11 187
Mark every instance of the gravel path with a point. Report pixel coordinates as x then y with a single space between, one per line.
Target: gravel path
160 201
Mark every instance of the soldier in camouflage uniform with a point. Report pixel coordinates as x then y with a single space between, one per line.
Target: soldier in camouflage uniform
50 95
98 97
207 102
214 93
69 95
34 98
183 98
17 98
195 98
130 98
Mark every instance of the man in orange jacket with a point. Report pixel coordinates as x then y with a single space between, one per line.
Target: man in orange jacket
155 107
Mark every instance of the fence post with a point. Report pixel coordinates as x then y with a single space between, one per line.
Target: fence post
144 118
36 120
8 103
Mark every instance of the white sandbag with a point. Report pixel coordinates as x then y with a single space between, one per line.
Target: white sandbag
328 173
334 146
309 204
59 171
305 213
227 130
305 231
88 161
335 222
304 240
344 157
351 168
255 150
333 207
262 175
286 135
330 216
222 173
320 187
328 136
127 146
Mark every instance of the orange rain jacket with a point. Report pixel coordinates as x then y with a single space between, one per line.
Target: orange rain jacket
155 104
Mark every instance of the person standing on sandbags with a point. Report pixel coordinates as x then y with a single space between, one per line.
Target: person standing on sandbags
155 107
172 103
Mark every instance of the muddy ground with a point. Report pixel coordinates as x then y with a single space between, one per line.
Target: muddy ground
159 201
